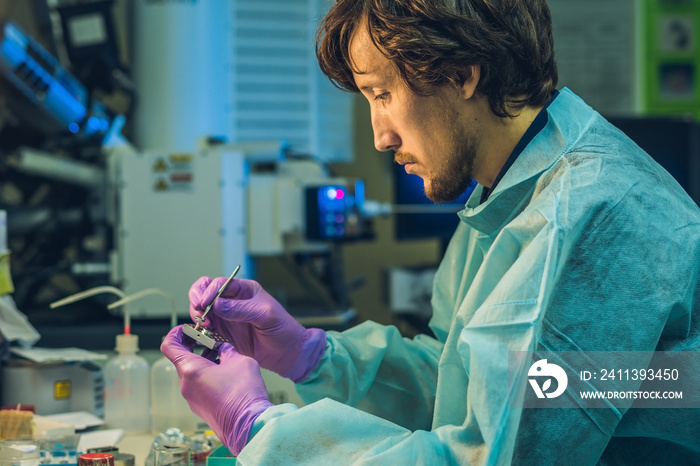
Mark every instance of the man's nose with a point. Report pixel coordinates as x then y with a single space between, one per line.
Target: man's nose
385 137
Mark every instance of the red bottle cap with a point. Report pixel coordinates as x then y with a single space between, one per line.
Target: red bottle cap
96 459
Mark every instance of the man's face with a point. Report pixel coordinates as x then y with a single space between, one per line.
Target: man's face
429 134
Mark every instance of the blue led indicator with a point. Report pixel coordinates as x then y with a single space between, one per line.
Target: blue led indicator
73 127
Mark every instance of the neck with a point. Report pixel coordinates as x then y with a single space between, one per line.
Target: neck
499 136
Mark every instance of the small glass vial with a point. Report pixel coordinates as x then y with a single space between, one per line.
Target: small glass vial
19 452
96 459
171 454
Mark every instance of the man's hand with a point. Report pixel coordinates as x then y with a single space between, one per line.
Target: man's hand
228 396
258 326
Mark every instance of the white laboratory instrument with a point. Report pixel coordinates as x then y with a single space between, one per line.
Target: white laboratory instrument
186 215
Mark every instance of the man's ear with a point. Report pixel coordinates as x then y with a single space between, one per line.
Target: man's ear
470 79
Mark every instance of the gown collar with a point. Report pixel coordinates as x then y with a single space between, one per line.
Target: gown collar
567 117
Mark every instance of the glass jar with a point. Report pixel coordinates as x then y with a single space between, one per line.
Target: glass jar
19 452
171 454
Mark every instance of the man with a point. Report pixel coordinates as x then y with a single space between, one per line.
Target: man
574 240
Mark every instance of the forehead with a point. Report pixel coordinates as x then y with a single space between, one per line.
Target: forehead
368 63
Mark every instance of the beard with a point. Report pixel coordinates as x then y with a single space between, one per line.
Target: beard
454 177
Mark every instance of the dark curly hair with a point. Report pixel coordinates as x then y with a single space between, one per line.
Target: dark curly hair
431 42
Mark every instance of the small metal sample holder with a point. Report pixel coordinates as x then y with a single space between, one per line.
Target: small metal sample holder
203 336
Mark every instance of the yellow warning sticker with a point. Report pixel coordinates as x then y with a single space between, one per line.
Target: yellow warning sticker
172 172
61 389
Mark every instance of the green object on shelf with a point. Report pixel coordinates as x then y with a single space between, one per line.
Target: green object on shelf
222 456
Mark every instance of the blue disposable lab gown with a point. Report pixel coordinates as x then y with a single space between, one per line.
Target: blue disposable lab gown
585 244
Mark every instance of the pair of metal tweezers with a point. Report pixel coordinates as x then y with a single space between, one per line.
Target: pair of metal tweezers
202 335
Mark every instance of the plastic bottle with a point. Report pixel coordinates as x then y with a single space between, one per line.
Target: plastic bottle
126 375
127 388
168 407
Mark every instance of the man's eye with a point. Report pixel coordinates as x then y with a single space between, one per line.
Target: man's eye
381 96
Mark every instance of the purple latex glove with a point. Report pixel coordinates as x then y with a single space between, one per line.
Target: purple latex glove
258 326
228 396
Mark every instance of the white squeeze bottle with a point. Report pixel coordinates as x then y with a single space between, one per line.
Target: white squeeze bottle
127 388
168 407
126 374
